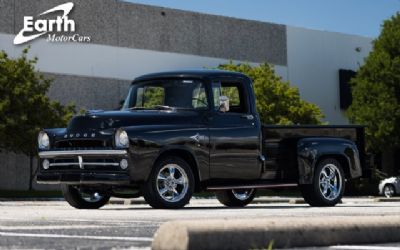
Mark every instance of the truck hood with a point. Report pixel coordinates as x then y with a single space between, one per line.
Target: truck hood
102 120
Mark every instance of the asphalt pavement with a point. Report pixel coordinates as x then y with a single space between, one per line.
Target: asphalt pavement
56 225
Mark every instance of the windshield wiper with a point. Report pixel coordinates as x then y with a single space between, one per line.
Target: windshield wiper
136 108
163 107
158 107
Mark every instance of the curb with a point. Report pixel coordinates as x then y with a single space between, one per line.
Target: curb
259 200
386 199
262 200
139 201
31 199
297 201
281 232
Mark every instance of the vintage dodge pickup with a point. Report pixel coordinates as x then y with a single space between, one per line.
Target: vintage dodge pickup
178 133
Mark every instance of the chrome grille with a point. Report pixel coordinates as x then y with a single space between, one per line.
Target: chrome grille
84 164
81 144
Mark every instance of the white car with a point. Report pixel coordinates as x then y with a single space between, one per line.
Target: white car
390 187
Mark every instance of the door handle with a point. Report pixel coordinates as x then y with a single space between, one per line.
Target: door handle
248 117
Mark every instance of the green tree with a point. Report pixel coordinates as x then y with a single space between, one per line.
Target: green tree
24 107
277 102
153 96
376 90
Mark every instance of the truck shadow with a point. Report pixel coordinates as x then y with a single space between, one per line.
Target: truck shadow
140 207
208 208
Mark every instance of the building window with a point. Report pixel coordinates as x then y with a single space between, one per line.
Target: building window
346 97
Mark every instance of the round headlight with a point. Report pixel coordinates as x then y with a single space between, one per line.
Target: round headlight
43 140
121 139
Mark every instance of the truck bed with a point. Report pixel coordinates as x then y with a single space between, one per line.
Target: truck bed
280 142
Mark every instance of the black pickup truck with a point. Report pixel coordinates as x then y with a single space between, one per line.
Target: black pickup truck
178 133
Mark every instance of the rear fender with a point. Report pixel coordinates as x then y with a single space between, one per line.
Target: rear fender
311 150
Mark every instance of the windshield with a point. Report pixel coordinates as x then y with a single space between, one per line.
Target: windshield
167 94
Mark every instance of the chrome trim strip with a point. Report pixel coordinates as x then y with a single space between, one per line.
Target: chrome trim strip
254 186
49 154
83 164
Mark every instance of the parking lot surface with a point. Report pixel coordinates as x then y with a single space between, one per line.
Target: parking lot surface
56 225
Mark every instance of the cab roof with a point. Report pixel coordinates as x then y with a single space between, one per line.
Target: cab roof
199 74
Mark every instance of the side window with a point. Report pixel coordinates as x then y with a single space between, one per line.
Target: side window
236 94
216 91
199 97
150 96
232 92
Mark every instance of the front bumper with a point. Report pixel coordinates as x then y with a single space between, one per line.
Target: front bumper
83 167
83 178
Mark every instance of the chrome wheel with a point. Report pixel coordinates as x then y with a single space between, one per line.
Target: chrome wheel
172 183
84 197
330 182
242 194
91 197
388 191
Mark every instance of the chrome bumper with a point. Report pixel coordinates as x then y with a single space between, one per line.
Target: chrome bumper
83 178
83 167
52 154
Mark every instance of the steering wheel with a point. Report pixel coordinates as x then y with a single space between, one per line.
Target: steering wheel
200 100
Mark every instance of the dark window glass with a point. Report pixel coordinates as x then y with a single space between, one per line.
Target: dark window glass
235 92
181 94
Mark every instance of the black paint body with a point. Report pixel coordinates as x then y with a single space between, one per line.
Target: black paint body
228 150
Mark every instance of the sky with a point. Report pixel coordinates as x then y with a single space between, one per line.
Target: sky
359 17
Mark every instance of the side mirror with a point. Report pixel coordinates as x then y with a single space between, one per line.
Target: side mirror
223 103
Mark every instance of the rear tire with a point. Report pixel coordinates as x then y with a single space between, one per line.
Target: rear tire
84 200
170 185
328 184
389 191
236 198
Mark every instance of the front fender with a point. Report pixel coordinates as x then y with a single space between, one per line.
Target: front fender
147 143
311 150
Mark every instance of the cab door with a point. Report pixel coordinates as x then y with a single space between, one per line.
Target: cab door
234 135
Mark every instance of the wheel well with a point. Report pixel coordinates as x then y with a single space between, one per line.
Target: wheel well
189 158
390 184
342 160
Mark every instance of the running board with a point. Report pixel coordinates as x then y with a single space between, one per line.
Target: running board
277 185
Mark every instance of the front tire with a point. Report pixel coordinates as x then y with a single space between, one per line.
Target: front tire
170 185
328 184
388 191
236 197
84 199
